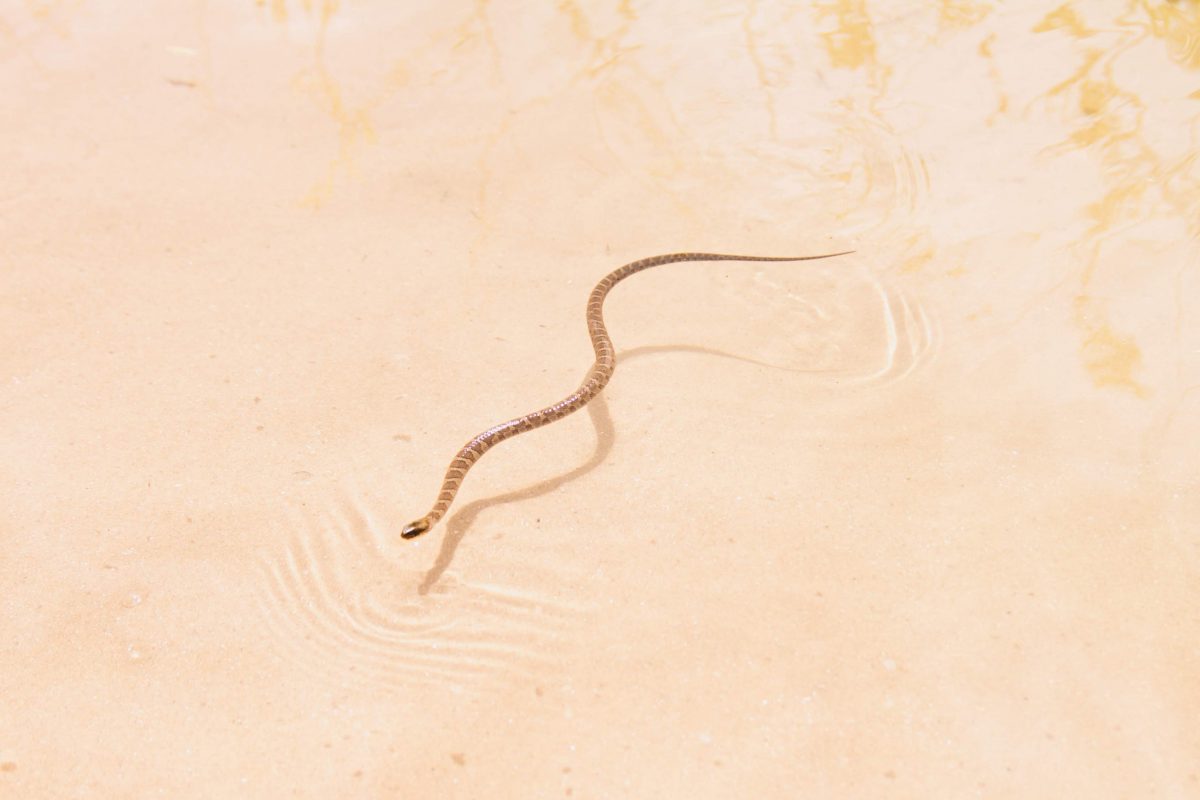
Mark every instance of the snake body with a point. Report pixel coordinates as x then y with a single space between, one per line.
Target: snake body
595 380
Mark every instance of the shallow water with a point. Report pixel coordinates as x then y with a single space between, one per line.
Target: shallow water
918 521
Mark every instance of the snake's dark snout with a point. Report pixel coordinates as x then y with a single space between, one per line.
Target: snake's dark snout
414 529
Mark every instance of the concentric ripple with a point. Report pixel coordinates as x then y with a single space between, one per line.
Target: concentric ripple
342 607
839 324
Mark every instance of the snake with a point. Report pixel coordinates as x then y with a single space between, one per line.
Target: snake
593 383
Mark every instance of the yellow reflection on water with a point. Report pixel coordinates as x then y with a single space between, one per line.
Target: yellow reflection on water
1141 179
851 44
1063 18
1178 24
962 13
1111 358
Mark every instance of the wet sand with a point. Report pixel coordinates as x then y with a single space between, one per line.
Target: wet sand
921 521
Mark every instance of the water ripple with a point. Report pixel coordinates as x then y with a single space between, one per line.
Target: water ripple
344 607
840 325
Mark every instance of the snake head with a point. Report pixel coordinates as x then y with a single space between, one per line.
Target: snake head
415 528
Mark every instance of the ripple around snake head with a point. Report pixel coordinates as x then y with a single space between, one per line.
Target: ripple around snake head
341 605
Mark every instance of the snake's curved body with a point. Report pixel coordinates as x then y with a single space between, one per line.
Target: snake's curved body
595 380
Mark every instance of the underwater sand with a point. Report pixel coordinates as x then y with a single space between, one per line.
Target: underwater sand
921 521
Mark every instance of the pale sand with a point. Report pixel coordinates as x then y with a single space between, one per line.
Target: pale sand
917 522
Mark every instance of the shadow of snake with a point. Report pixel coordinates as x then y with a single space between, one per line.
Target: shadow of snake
460 523
337 597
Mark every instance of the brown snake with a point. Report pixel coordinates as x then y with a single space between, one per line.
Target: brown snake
595 380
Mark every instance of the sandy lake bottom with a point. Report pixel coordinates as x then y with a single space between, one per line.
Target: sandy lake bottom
922 521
